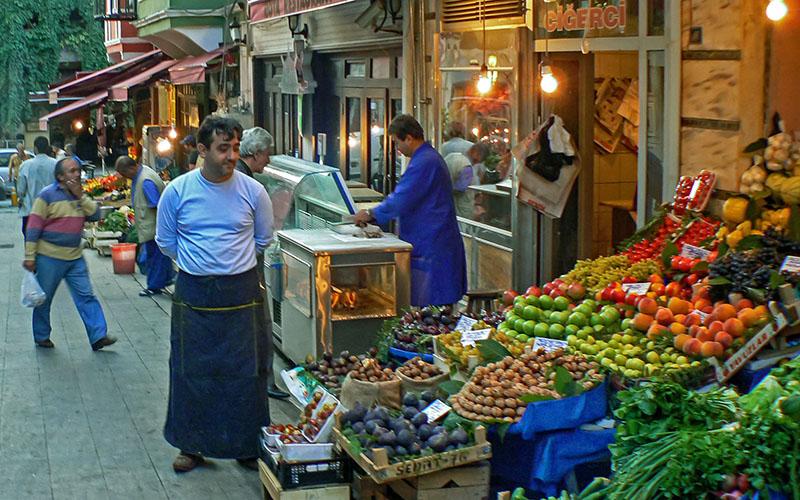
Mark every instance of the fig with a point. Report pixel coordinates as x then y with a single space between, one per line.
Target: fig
419 419
415 449
410 412
358 427
428 396
421 405
424 432
388 438
405 438
438 442
410 399
400 451
459 436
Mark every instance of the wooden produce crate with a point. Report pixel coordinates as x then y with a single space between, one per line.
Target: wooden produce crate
382 471
364 488
462 483
274 491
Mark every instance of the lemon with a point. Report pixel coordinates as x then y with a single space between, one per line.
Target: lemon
653 357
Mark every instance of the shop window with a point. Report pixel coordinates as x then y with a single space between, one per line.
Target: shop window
377 137
655 17
353 146
355 69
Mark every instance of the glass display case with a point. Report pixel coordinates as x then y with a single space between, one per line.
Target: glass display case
305 195
338 289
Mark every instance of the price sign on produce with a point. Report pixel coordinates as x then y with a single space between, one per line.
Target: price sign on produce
472 336
549 345
465 324
791 264
703 316
636 288
694 252
436 410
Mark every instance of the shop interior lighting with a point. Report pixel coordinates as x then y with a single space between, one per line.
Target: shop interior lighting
376 130
777 10
485 78
353 141
476 131
163 145
172 134
77 125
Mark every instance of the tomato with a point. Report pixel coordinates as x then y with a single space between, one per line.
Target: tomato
691 279
630 299
618 295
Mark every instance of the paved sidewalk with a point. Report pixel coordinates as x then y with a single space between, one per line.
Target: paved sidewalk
80 424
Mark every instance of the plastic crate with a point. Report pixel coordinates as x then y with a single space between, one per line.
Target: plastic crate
305 474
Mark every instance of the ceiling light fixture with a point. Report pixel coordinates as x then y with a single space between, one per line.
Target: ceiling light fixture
547 81
777 10
484 78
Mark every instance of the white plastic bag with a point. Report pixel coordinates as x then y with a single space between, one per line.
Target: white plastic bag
32 293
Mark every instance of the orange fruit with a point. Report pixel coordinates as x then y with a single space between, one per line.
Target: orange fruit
735 327
724 338
648 306
693 320
748 317
744 304
704 334
724 312
642 322
664 316
711 348
716 326
679 306
680 340
680 318
692 347
677 328
656 331
701 303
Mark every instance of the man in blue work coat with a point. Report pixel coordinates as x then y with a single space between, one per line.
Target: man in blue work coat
423 205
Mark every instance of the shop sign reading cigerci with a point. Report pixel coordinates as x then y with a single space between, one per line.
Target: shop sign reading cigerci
571 19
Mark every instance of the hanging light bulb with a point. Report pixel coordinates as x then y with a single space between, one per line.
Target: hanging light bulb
476 131
484 81
163 146
78 125
777 10
548 82
172 134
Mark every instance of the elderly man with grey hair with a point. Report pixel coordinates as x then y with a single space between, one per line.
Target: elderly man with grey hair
253 157
254 151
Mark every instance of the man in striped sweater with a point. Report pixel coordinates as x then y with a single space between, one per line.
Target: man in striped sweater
53 251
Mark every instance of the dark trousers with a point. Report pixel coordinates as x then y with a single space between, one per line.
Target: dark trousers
268 325
24 225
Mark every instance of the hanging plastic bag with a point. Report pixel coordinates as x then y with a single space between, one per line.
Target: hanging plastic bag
32 293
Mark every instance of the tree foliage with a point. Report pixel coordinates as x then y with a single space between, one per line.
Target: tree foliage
33 34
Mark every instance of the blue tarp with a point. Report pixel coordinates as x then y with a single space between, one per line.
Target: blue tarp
567 413
541 464
405 355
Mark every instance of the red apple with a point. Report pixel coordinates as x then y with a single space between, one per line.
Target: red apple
576 291
534 290
508 297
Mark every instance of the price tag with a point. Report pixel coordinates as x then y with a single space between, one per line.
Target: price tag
465 324
636 288
472 336
694 252
436 410
791 264
703 316
549 345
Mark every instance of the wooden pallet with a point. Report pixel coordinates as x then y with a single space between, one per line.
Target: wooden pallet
274 491
381 471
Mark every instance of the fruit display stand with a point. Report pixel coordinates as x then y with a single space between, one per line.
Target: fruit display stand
382 471
469 482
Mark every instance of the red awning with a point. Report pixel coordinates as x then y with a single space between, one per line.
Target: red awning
91 78
193 69
95 98
119 91
261 10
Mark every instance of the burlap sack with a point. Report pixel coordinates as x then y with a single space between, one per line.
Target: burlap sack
420 386
388 394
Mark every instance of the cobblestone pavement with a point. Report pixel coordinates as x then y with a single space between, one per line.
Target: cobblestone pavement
80 424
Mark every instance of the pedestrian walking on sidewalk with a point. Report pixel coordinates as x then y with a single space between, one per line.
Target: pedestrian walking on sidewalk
253 157
15 162
213 221
53 251
35 174
145 193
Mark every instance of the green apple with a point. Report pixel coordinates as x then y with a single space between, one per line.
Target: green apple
556 331
541 330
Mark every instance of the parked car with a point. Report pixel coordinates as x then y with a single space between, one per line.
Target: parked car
5 184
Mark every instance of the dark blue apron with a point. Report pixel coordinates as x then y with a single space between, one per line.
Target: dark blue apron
218 366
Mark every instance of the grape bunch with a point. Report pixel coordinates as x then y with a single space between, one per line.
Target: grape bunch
754 268
598 273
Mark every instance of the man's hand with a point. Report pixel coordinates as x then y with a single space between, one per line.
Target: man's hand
74 187
362 217
30 265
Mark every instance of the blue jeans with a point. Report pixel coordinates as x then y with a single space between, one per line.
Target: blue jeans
158 267
50 272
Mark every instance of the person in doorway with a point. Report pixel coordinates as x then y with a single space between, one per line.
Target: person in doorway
461 176
145 192
35 174
190 148
213 221
53 251
477 155
86 147
423 205
454 140
253 157
15 162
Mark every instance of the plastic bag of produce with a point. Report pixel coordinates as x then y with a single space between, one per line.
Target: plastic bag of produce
388 393
31 292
